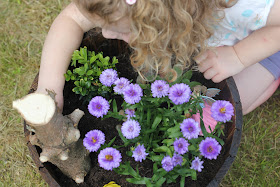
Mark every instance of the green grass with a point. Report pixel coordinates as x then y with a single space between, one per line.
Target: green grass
24 25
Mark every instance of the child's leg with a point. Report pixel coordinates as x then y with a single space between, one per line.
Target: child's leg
255 85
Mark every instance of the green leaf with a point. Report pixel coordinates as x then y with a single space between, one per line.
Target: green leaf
168 142
85 67
73 77
67 77
155 168
106 60
115 60
160 173
84 53
148 182
187 75
99 63
98 72
163 149
111 142
203 129
148 116
136 181
193 175
174 129
193 84
182 181
80 71
156 121
92 59
184 171
157 158
175 135
77 83
115 107
160 182
88 84
68 72
191 148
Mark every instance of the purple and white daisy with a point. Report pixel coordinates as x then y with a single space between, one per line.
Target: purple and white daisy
130 113
222 110
109 158
130 129
132 93
98 106
190 128
167 163
181 146
179 93
139 153
108 77
121 83
197 164
210 148
93 140
159 88
177 160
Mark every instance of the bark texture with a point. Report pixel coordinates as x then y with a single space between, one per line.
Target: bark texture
57 136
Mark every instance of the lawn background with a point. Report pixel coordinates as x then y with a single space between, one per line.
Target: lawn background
23 27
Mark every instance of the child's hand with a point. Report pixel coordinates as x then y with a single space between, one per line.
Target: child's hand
219 63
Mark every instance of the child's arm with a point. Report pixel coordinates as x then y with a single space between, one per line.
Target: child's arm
64 37
230 60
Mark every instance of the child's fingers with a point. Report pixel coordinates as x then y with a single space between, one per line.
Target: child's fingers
218 78
210 73
198 59
204 66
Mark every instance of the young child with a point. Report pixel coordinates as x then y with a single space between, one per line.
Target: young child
227 38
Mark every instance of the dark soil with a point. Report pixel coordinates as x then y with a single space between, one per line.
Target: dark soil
97 176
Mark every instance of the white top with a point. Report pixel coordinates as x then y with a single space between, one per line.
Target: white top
239 21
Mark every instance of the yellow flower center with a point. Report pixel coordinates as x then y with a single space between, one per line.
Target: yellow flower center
93 140
209 149
109 157
223 110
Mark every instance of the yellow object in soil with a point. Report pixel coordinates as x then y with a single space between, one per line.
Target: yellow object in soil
111 184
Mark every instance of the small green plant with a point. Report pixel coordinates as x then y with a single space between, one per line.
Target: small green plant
87 68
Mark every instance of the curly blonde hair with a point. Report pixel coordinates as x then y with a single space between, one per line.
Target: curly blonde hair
164 33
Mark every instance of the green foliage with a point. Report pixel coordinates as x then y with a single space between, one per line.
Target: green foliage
87 68
160 123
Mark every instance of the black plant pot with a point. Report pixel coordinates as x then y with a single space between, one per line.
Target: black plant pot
211 176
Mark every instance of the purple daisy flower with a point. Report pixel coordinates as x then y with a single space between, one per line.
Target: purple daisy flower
222 110
130 113
93 140
159 88
139 153
167 163
109 158
190 128
177 160
197 164
179 93
210 148
108 77
98 106
132 93
181 146
120 83
131 129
